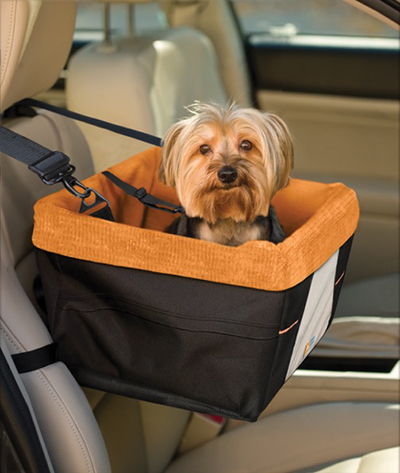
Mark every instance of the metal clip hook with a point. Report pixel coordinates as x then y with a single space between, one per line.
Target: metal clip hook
71 184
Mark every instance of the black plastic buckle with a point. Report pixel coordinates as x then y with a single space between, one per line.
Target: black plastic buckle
180 210
52 168
141 193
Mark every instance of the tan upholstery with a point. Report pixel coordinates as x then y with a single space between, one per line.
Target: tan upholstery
215 19
141 83
65 419
140 437
299 439
63 415
382 461
17 208
70 431
31 58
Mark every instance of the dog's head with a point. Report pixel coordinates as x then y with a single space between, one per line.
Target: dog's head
227 162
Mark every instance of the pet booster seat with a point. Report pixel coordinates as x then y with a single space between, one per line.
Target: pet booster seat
184 322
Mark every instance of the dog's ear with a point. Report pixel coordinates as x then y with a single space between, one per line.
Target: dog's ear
166 172
283 148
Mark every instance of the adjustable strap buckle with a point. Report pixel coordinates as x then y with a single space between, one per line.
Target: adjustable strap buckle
52 168
140 194
151 201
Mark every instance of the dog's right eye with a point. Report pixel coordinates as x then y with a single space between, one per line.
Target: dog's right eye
205 149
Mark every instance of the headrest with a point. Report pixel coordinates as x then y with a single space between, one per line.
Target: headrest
128 1
36 37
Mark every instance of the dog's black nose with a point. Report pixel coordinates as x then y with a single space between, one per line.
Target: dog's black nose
227 174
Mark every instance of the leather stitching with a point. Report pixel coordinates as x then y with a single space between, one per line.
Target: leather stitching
81 441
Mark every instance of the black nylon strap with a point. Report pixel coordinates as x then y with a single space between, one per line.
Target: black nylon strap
21 148
49 165
35 359
121 130
53 166
142 195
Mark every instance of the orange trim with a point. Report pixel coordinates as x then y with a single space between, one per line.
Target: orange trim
281 332
341 277
318 217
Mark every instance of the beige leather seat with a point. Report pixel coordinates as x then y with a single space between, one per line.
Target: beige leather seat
306 439
144 83
30 63
141 83
138 436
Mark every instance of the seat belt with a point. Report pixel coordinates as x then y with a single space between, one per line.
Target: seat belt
121 130
142 195
54 166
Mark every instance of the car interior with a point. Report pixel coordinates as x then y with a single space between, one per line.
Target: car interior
338 94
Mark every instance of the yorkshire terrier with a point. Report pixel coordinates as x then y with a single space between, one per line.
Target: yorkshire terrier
226 165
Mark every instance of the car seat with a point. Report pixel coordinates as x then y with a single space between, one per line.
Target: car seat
31 63
145 82
152 73
139 436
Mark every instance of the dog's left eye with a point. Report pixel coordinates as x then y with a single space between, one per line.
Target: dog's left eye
246 145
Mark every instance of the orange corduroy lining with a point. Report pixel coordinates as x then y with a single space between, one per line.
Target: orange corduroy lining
319 218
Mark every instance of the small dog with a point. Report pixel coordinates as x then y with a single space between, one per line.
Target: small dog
226 164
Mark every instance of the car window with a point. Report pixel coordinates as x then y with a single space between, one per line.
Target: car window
286 18
123 20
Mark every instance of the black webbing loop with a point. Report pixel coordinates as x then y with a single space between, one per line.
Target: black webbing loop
35 359
143 196
50 166
121 130
54 167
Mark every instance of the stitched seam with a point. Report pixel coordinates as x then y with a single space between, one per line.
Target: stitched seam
164 324
8 45
70 420
62 305
12 341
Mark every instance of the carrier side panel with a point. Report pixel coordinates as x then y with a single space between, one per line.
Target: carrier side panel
317 313
293 309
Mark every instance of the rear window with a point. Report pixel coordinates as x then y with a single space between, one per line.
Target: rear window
308 17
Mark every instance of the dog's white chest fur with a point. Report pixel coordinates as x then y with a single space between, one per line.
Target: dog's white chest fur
229 232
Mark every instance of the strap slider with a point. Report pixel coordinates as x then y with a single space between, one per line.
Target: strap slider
141 193
52 168
180 210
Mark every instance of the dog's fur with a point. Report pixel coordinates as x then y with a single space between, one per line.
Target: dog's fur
226 165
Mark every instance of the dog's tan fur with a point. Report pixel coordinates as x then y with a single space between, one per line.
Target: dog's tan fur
227 210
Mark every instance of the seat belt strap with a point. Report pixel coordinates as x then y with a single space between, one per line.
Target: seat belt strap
121 130
54 166
48 165
142 195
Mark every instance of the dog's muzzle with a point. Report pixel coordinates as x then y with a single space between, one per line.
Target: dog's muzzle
227 174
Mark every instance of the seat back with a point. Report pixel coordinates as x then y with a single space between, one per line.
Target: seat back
35 41
138 436
142 83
